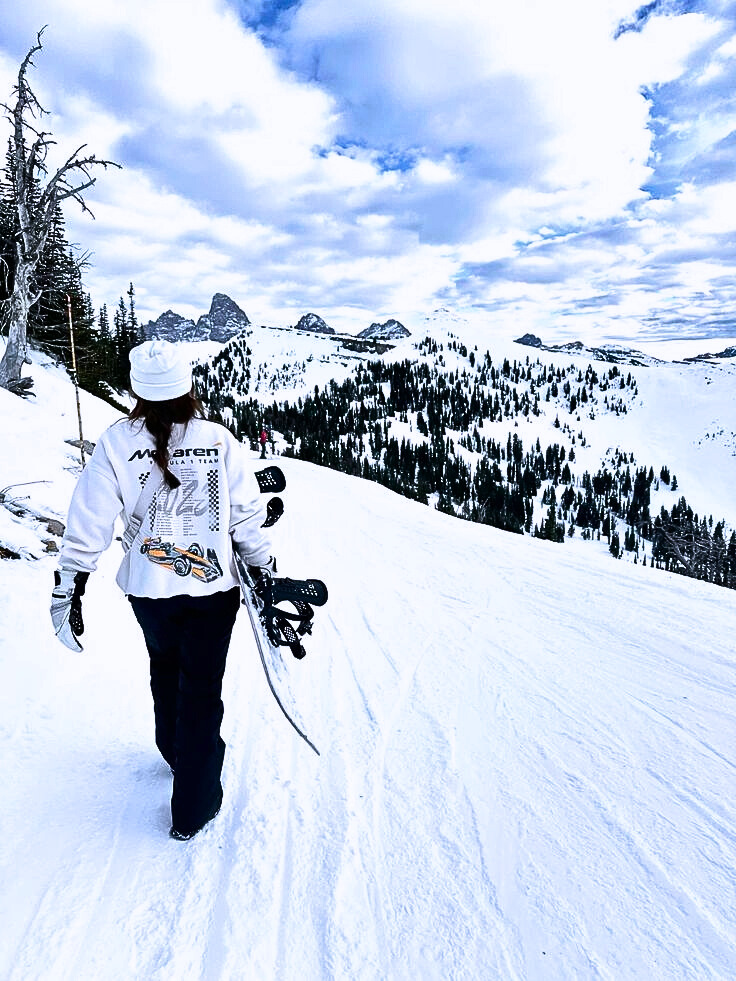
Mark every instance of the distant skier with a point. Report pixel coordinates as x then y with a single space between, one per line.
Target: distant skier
183 487
263 439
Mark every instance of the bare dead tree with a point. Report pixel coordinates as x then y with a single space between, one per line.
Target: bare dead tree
36 196
685 547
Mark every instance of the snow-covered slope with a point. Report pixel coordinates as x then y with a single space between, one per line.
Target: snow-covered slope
527 770
667 413
683 414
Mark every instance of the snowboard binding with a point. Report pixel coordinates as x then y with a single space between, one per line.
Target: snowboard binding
283 627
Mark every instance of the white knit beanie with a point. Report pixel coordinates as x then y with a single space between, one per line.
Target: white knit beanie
159 370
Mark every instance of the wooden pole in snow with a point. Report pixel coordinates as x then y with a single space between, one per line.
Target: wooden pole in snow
74 376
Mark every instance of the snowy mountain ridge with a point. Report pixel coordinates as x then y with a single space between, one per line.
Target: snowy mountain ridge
609 353
729 352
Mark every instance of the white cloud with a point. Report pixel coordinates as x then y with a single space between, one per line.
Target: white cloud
379 149
700 212
534 84
432 172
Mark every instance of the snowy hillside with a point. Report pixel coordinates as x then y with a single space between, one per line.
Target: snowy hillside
604 445
684 414
284 362
527 769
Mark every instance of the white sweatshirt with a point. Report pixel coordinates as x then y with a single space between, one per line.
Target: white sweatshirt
185 543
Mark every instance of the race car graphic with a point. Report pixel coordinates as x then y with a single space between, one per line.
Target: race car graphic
183 561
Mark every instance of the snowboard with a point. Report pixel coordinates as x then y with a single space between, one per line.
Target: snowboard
273 627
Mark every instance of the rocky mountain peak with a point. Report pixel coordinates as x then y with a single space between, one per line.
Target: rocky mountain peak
170 326
313 322
224 320
530 340
390 330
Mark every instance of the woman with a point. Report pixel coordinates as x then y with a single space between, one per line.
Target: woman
178 573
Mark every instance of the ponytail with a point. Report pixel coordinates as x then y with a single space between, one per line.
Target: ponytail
159 419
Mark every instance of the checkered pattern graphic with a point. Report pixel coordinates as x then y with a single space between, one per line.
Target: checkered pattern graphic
143 480
213 492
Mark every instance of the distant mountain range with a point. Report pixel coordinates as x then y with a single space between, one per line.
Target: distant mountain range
610 353
728 352
613 353
226 320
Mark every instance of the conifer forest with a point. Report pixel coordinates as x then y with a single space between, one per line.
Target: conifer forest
421 429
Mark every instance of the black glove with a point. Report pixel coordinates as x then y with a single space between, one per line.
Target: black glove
261 575
66 606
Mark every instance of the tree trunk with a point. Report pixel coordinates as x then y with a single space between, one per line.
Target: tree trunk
36 204
16 350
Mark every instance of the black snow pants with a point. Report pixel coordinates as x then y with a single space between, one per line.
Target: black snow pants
187 639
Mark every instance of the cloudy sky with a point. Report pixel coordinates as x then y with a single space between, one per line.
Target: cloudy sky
567 168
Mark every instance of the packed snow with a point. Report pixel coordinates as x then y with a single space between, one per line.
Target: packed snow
528 756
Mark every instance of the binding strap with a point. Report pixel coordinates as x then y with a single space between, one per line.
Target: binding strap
281 632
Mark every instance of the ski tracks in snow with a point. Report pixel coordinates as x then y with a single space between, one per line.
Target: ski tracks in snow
413 831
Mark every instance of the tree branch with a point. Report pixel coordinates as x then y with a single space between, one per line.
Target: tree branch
59 188
25 92
690 564
37 155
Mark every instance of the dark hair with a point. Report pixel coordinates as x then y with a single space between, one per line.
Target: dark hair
159 418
